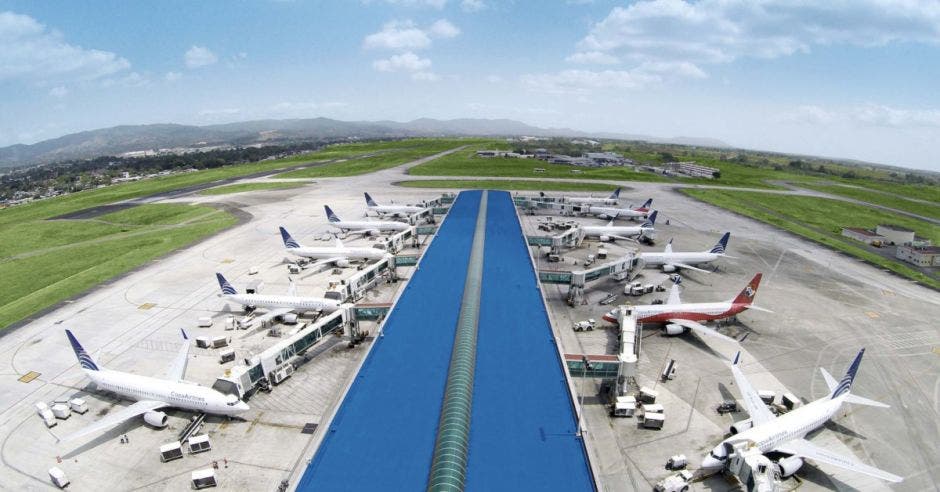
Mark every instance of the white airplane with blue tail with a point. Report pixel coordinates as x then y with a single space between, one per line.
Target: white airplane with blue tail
152 394
786 434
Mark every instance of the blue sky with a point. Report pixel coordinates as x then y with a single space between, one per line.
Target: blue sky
856 79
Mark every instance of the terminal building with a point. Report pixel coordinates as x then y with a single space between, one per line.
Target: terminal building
895 234
927 256
864 235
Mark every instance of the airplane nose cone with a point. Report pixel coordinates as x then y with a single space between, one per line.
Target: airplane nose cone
242 407
711 463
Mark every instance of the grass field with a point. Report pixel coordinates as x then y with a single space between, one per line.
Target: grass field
821 220
466 163
376 159
243 187
892 199
508 185
44 262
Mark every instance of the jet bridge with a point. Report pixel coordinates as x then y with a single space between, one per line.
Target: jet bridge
571 238
620 367
625 268
277 362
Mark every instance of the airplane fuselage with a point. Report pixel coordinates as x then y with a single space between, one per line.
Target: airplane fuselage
591 201
616 212
625 231
791 425
377 225
186 396
296 303
332 252
692 258
698 311
395 209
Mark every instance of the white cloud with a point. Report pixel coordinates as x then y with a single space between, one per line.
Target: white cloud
29 50
876 115
408 62
132 79
443 29
584 81
493 78
425 76
406 35
398 35
593 58
472 5
172 76
721 31
199 56
59 91
290 107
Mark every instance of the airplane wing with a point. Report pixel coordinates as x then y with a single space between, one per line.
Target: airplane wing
674 295
688 267
702 330
274 313
116 418
623 238
806 449
177 369
758 308
325 261
756 408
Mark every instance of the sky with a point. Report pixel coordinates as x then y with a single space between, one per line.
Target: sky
855 79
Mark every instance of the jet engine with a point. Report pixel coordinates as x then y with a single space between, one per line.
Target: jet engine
674 329
156 419
603 216
605 239
788 466
739 427
669 268
343 263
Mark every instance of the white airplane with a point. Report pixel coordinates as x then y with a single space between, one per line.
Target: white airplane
611 200
670 261
337 254
367 227
678 318
152 394
393 210
276 306
785 434
610 232
614 213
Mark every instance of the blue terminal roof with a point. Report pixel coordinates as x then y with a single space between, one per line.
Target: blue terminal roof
383 434
522 430
522 434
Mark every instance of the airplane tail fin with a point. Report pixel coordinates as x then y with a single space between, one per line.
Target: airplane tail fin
369 201
668 248
747 295
615 195
330 215
846 383
84 359
289 242
227 288
647 204
651 220
722 244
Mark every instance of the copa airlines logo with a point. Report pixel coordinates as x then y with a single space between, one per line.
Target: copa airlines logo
228 289
718 249
290 243
184 396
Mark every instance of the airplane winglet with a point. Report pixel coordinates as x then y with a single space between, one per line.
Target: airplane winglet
737 357
184 334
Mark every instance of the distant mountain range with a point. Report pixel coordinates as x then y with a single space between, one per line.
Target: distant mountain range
129 138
